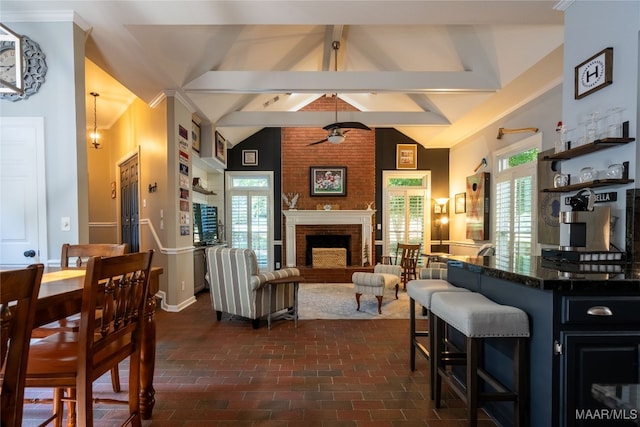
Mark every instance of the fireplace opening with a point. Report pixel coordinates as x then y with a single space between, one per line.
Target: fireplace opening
326 241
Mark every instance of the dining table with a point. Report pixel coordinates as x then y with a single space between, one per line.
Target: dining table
60 296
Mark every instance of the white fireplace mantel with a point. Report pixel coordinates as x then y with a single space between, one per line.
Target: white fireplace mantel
324 217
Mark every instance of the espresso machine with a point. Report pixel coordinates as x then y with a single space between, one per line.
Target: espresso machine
585 228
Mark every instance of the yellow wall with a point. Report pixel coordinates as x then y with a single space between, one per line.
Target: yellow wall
140 130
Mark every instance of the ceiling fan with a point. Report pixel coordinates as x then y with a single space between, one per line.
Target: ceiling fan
338 130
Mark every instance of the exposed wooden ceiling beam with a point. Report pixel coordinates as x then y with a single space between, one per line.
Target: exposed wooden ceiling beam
319 119
343 82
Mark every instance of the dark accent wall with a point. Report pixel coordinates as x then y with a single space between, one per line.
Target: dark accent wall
434 159
267 142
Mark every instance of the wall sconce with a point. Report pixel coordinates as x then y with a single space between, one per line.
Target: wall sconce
440 208
441 205
95 135
503 131
153 188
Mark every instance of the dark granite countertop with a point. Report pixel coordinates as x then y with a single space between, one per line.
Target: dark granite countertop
545 274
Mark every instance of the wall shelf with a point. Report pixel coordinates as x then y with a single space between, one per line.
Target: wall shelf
592 147
590 184
597 145
202 190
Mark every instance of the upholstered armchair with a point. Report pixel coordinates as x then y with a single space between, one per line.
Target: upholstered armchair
238 288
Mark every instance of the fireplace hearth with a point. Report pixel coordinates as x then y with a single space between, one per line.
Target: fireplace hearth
326 241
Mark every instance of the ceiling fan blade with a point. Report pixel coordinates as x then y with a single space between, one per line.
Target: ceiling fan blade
347 125
318 142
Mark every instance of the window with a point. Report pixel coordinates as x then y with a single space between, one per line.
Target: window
406 218
250 214
515 201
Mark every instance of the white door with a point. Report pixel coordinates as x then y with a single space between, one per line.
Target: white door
22 191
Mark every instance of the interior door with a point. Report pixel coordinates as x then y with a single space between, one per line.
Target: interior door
22 191
129 204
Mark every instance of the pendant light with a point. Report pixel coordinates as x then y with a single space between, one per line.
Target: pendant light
94 135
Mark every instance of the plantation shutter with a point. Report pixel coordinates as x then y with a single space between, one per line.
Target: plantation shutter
514 207
250 219
503 218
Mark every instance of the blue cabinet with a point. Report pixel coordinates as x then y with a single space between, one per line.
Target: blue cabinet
582 333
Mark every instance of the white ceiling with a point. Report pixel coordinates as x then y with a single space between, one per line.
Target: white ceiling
438 71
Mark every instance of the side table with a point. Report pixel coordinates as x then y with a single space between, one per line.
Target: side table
281 281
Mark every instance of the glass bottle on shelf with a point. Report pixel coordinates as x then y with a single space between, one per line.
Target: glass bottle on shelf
561 138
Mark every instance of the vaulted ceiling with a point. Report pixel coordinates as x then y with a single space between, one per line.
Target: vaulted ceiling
438 71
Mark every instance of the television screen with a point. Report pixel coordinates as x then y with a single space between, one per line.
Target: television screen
205 224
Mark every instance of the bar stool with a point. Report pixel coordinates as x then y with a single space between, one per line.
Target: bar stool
478 318
422 290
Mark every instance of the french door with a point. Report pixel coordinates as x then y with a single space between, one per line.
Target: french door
515 202
250 214
406 213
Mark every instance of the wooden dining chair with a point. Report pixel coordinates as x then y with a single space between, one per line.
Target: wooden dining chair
74 257
81 253
409 256
70 362
18 298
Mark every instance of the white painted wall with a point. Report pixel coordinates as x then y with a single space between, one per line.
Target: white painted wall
60 102
591 26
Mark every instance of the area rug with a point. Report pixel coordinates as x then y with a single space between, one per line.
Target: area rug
338 301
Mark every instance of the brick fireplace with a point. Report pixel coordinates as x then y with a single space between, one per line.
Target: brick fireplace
345 236
357 224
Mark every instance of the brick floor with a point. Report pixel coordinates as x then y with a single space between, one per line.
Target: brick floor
328 373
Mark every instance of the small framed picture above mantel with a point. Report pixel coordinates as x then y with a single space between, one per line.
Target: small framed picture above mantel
406 156
328 180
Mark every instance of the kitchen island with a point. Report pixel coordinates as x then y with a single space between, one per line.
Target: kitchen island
585 329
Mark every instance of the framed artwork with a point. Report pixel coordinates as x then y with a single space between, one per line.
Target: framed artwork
182 131
478 202
328 180
221 148
407 156
195 136
249 157
460 203
594 73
